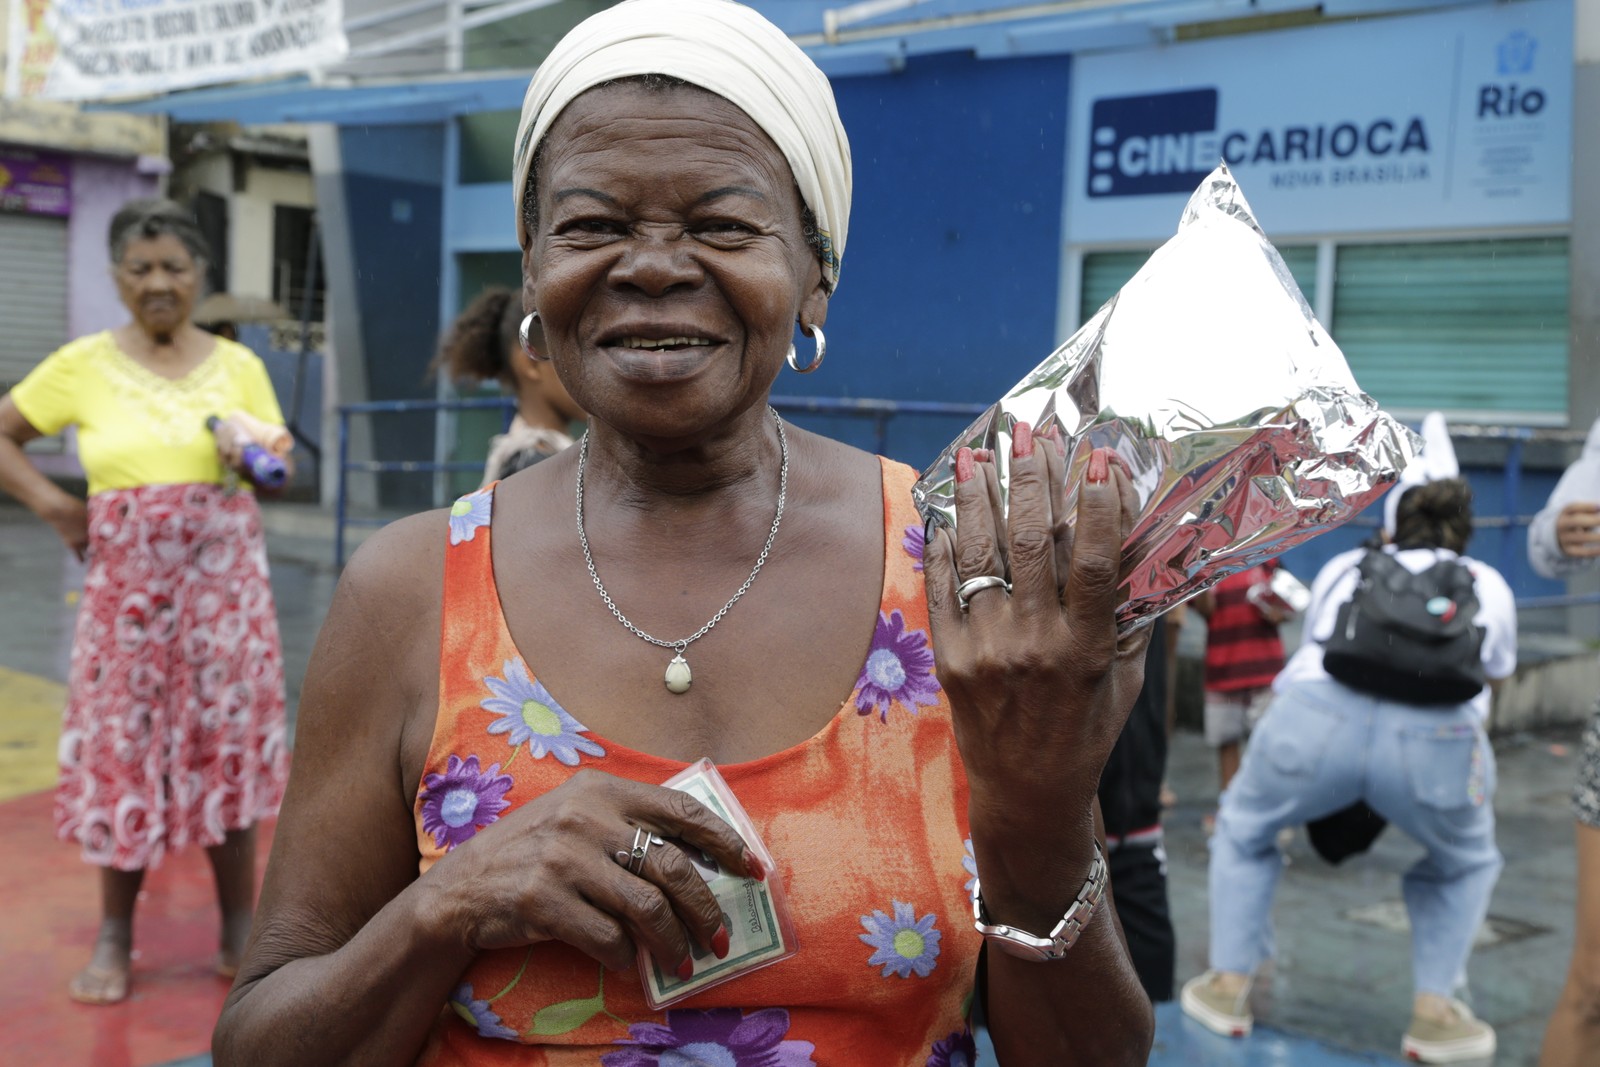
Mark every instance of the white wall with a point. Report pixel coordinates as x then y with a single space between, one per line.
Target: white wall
250 225
250 214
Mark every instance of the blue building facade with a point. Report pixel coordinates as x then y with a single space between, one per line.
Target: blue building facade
979 237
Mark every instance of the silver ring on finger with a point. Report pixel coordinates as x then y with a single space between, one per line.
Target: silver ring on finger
633 858
972 586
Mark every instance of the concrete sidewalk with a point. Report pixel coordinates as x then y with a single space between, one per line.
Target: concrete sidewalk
1340 992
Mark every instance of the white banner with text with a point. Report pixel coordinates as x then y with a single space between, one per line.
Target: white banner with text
100 49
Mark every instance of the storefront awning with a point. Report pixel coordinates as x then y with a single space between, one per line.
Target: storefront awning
301 101
856 39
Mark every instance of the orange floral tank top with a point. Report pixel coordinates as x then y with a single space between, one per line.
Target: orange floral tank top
866 820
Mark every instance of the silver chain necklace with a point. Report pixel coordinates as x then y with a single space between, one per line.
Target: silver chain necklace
678 678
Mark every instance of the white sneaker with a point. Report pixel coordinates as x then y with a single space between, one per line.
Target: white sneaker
1218 1012
1463 1037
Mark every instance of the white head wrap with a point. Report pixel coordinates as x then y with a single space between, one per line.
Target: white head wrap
723 47
1435 463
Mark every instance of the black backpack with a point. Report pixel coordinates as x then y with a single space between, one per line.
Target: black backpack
1409 637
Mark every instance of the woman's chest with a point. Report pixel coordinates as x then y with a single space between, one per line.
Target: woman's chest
867 826
126 404
767 674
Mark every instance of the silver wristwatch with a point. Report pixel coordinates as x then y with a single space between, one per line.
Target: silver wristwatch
1025 946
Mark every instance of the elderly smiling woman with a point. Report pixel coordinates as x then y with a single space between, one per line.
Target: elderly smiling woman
497 694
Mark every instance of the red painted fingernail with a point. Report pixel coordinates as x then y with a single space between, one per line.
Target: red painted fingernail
964 465
719 943
1053 433
752 862
686 969
983 455
1099 468
1022 440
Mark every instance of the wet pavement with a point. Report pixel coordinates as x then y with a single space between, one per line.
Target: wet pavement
1338 994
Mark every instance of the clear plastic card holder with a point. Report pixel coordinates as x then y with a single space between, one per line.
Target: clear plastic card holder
760 930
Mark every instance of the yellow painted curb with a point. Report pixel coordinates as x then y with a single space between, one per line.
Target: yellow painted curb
30 726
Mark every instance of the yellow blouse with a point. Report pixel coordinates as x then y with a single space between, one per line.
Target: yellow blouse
135 427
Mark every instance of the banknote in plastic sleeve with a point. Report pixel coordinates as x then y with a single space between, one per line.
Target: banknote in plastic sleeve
755 913
1235 413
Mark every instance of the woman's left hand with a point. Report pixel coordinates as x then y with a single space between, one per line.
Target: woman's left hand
1040 686
1039 682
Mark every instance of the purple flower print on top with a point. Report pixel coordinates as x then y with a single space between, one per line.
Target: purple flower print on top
715 1037
468 514
916 540
957 1050
458 802
477 1013
905 945
899 669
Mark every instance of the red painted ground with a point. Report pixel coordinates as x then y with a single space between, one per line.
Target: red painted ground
49 913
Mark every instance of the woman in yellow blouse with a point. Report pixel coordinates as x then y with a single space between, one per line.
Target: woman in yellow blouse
174 727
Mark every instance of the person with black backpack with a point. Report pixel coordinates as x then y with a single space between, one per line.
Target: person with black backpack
1384 703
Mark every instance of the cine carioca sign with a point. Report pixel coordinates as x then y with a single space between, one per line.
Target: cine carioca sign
1454 120
95 49
1168 143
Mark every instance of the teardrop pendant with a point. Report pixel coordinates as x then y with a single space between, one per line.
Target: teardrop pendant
678 677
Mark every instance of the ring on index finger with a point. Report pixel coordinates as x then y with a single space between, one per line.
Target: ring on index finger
972 586
633 858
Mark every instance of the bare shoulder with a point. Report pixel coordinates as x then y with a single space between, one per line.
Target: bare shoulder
399 571
381 640
837 495
833 469
346 843
371 688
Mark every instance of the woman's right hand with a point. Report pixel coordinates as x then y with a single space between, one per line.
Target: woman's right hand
1578 530
69 517
549 872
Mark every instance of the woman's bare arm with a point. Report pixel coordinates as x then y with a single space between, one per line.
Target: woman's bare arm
22 480
1040 686
352 957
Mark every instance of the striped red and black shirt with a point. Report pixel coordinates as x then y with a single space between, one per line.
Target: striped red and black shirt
1243 649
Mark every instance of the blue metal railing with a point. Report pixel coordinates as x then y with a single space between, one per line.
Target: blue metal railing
341 517
882 412
879 411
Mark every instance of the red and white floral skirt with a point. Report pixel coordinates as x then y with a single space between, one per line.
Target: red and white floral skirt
174 729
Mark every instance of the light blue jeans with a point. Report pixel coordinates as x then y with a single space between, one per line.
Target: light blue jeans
1320 748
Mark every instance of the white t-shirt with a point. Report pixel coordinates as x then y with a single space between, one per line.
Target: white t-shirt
1336 584
1580 483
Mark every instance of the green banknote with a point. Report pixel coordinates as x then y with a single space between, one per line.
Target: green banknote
748 911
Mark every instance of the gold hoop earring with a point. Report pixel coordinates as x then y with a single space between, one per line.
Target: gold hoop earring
816 361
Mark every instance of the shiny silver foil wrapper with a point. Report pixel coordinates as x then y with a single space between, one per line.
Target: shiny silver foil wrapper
1229 404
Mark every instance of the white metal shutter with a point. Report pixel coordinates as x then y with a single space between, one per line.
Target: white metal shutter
33 292
1477 328
1106 272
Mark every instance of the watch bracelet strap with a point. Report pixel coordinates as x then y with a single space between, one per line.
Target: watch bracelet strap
1066 932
